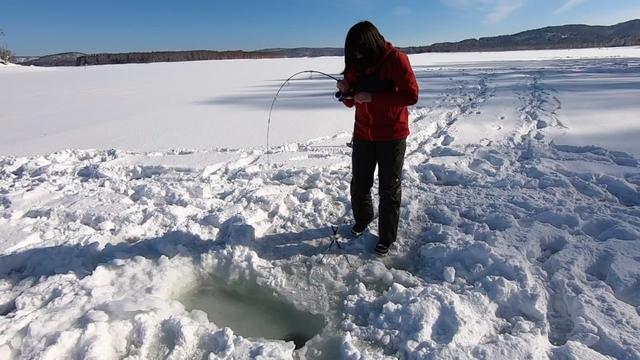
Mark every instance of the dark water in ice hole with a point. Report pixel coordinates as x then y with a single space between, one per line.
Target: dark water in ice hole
252 311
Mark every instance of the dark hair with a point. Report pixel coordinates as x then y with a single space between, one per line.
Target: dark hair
363 47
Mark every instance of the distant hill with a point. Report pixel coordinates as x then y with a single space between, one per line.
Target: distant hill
23 59
79 59
306 52
553 37
62 59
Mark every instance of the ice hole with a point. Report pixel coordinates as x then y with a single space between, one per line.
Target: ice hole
254 312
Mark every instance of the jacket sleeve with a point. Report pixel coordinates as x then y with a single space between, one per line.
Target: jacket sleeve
350 78
349 102
407 90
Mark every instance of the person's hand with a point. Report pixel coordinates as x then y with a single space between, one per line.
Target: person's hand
362 97
343 86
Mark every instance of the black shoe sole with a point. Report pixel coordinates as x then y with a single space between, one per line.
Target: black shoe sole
381 250
357 233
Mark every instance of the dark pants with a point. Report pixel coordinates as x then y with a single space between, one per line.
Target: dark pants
389 156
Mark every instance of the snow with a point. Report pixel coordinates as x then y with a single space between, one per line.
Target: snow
164 106
134 199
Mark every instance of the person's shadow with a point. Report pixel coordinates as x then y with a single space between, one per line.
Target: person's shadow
82 260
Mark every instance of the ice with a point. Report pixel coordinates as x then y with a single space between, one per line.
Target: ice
449 274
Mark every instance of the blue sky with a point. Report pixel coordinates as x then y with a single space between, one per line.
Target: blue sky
37 27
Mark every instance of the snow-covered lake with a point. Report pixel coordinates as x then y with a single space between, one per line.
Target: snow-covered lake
136 200
224 104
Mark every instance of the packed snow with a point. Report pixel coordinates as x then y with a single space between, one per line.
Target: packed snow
142 217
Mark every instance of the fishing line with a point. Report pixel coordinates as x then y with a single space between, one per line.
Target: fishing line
334 228
278 93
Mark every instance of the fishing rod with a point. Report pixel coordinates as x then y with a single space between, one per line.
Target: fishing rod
339 95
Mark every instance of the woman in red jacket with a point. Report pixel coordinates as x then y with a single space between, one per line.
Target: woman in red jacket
379 81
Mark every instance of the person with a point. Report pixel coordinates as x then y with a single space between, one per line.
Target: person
379 81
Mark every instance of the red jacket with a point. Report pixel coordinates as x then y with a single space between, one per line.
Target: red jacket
386 117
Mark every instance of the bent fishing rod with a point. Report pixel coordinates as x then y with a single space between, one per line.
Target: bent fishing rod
339 95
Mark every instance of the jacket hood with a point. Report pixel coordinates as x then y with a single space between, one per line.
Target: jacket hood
389 50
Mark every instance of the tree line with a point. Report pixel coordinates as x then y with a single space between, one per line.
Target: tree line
5 53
